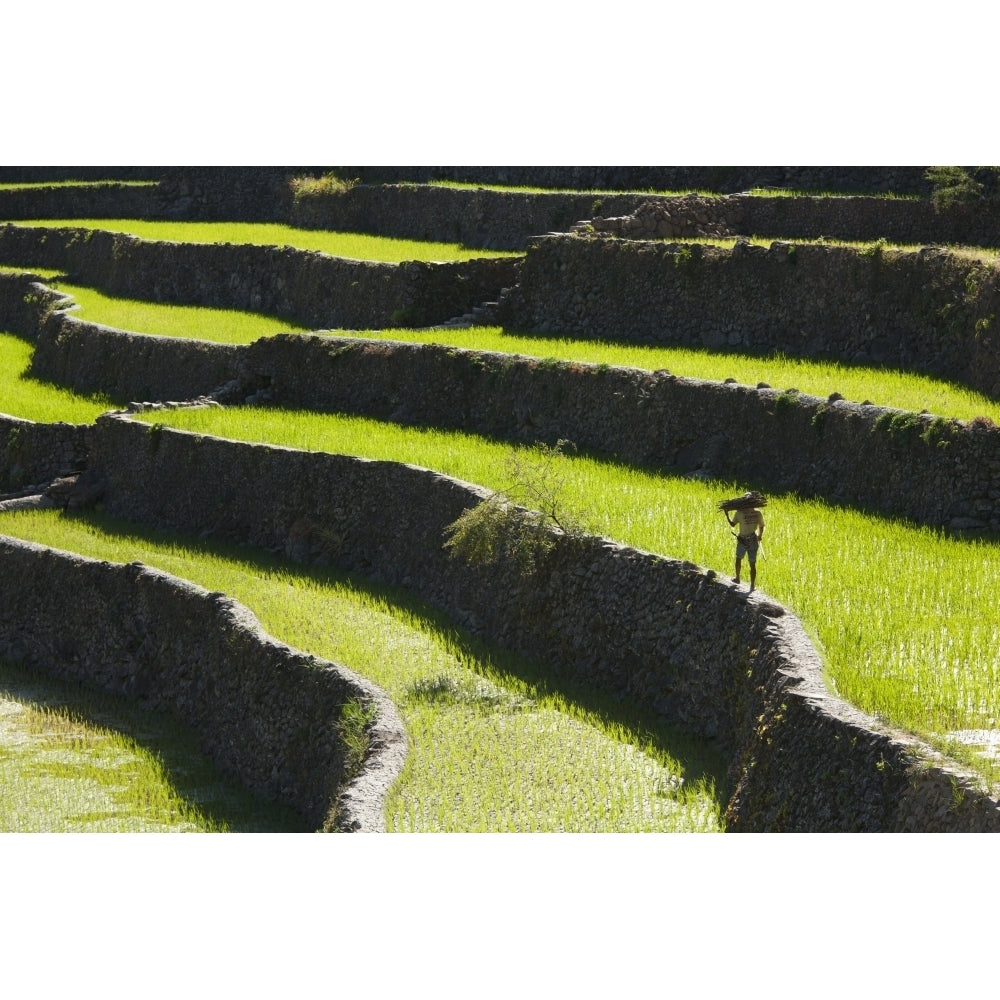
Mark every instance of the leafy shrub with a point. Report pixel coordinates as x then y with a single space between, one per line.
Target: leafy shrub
502 528
786 402
953 185
312 187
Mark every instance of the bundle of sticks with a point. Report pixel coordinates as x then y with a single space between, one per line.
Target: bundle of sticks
752 498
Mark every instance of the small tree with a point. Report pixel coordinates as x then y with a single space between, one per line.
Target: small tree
951 185
517 523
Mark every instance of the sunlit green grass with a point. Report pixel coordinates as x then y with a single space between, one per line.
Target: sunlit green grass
228 326
776 192
20 185
494 743
41 272
26 397
74 760
356 246
900 612
528 189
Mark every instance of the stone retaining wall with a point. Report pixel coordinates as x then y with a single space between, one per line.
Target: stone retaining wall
726 666
215 185
309 288
849 179
498 220
35 453
267 715
90 358
509 219
930 310
80 201
25 300
935 471
897 220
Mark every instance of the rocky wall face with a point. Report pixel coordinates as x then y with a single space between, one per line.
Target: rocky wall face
33 453
25 301
267 715
927 310
854 179
90 358
311 289
487 218
896 220
935 471
726 666
91 201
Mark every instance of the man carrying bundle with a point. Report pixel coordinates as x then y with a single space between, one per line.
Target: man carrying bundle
749 524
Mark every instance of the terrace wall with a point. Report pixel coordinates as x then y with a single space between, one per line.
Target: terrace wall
945 473
501 220
267 715
24 302
910 220
214 191
940 472
35 453
90 358
79 201
930 311
312 289
509 219
726 666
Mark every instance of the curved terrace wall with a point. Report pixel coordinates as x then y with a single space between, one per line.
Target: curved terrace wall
940 472
928 310
310 288
266 714
675 637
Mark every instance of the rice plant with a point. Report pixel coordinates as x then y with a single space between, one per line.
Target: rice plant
22 395
228 326
897 609
73 760
496 742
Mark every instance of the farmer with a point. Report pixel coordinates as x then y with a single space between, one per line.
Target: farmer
749 524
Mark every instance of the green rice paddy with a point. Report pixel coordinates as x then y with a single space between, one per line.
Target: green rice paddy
22 395
77 761
896 609
227 326
496 744
882 386
356 246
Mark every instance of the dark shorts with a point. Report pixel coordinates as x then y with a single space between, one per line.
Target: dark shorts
747 547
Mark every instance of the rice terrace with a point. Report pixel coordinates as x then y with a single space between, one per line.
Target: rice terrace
403 499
